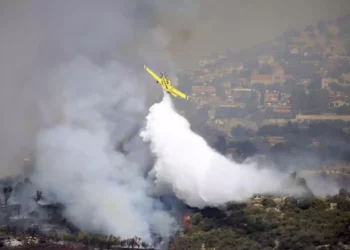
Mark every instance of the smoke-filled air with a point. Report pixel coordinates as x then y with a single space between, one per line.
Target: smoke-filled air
77 160
197 174
108 149
79 102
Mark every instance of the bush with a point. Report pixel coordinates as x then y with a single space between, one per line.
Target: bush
196 218
69 237
268 202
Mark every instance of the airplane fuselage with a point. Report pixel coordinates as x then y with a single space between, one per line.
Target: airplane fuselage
166 85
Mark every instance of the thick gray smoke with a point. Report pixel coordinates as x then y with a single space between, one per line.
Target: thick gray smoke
76 156
39 35
73 88
73 77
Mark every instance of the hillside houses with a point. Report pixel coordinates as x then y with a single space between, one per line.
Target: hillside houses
313 64
266 59
277 76
271 97
203 90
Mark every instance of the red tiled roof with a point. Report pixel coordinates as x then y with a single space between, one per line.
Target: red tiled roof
271 94
278 68
260 77
282 109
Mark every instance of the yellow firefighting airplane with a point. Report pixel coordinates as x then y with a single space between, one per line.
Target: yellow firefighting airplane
165 83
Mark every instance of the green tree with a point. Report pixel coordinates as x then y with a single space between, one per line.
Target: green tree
144 245
38 196
318 204
268 202
69 237
343 192
299 100
123 243
7 193
246 148
83 238
196 218
115 240
315 85
289 85
220 144
343 204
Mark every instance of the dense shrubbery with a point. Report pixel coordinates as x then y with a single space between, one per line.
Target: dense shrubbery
292 224
34 238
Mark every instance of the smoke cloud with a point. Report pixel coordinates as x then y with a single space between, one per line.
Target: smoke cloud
39 36
74 92
187 166
76 161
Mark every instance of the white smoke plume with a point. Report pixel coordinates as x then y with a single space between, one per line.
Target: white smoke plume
76 160
196 173
39 35
74 112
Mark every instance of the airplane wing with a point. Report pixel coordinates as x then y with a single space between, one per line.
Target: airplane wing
178 93
154 75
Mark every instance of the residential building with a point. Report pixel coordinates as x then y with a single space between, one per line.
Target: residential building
206 61
241 95
346 77
243 83
260 78
304 82
284 98
273 140
338 96
210 100
314 63
326 81
322 72
286 109
294 51
277 76
201 90
329 117
338 103
227 85
271 97
266 59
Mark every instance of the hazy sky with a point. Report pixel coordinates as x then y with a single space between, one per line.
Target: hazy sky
198 27
238 24
37 34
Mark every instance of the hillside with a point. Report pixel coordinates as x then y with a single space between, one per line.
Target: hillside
272 223
285 97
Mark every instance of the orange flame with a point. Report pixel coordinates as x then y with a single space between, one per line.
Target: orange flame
187 220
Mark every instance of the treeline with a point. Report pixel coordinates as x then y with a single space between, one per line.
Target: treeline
104 241
33 236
